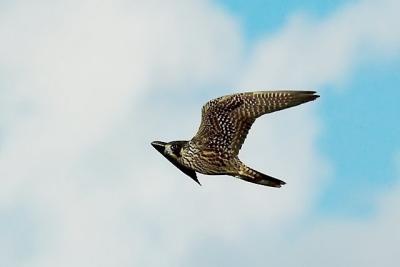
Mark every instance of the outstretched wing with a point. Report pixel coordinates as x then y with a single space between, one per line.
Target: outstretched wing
227 120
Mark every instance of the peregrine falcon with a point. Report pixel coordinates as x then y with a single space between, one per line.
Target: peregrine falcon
224 126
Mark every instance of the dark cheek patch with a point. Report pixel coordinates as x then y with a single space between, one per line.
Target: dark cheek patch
177 152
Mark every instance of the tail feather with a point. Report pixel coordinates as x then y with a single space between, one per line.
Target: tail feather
253 176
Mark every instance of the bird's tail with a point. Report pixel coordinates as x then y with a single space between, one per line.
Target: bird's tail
253 176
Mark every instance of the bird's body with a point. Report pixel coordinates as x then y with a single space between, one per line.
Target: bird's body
224 126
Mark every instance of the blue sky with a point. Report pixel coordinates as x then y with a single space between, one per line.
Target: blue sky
85 86
362 138
260 17
360 142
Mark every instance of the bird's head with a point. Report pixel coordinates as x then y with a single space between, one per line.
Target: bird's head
173 152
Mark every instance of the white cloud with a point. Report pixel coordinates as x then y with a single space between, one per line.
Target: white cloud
329 241
369 242
87 86
309 53
78 70
74 71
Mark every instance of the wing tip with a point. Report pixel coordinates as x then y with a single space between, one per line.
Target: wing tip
278 185
308 95
314 96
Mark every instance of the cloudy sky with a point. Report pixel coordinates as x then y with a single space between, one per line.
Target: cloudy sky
86 85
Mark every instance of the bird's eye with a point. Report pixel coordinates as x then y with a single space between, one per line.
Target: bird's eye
174 147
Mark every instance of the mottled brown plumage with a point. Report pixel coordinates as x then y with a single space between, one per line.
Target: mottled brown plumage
224 126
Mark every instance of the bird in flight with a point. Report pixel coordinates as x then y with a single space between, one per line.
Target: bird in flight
224 126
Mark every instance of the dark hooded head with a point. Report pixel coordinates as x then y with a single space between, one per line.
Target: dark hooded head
173 151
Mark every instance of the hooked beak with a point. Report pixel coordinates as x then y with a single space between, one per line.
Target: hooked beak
159 146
